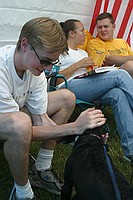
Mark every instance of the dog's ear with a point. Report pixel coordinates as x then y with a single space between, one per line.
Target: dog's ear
87 132
97 131
98 105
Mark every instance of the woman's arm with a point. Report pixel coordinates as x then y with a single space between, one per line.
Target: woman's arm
69 71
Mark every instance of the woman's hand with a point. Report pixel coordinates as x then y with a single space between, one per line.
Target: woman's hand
85 62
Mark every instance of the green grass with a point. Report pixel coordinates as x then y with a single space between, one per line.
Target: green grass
61 154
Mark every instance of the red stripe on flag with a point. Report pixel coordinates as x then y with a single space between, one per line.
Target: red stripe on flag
95 14
116 7
128 38
106 5
125 20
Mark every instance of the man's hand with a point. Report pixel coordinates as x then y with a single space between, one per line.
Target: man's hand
89 119
105 138
118 60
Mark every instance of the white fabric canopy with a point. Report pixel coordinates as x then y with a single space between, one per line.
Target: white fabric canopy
14 13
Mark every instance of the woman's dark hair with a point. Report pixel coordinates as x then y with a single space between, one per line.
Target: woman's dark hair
69 25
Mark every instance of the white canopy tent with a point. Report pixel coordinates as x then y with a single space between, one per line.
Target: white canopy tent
13 14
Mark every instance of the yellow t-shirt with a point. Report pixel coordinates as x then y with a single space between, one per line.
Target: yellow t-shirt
87 39
98 49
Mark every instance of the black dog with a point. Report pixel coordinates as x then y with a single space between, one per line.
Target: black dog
86 170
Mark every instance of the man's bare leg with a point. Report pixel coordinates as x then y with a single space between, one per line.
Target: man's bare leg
16 131
60 106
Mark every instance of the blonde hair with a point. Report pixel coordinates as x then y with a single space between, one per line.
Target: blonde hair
44 33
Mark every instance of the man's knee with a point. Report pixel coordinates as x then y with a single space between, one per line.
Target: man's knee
17 126
113 97
68 97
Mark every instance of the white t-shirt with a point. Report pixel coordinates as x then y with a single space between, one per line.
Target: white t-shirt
72 57
31 91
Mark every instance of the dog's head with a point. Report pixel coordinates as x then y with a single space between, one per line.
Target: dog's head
90 137
95 131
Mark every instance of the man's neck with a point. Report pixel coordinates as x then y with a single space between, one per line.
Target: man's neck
18 64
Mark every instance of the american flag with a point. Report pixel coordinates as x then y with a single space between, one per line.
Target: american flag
122 11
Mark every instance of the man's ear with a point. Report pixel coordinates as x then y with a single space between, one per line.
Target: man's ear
24 44
114 25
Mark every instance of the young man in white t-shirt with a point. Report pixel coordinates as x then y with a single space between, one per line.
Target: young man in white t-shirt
23 84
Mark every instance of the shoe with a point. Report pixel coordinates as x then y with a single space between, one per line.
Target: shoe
13 196
44 179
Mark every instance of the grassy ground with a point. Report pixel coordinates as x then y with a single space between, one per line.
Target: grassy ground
61 154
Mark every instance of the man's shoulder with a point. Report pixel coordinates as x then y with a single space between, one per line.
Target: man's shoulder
118 40
96 40
7 47
7 51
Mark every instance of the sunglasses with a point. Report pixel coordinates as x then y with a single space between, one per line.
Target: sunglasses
45 61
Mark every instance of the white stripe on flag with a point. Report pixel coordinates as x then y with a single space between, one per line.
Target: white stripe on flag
131 39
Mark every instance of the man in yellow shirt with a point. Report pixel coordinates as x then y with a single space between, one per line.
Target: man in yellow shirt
106 50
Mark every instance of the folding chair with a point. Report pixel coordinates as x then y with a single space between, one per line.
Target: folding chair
83 105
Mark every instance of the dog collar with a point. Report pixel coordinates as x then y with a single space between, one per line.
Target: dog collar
95 136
